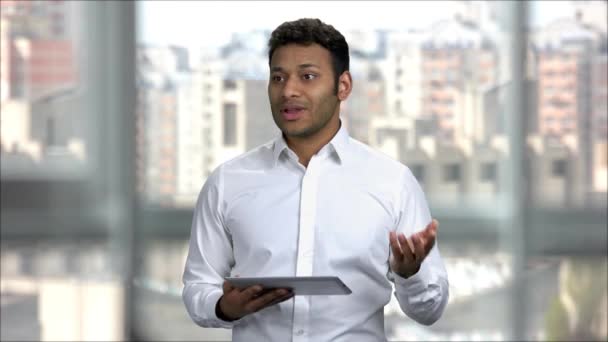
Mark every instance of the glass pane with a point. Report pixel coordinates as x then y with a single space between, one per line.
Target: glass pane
566 151
567 128
432 89
43 133
62 267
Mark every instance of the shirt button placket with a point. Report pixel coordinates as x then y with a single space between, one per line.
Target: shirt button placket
306 247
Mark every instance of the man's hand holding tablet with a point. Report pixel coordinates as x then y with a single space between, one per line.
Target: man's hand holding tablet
237 303
243 296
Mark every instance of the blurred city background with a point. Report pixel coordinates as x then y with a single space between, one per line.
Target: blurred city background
114 113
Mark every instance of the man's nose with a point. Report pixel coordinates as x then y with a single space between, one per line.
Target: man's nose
291 88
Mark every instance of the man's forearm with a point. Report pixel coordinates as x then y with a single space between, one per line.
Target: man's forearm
423 296
201 301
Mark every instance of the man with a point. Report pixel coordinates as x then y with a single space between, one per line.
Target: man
312 202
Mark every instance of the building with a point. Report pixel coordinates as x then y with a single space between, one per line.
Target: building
191 121
367 99
439 73
37 48
571 73
156 123
599 110
555 179
458 60
190 141
39 80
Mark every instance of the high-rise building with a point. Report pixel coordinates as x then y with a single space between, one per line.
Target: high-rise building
599 100
458 60
191 121
38 57
438 75
39 80
156 122
571 74
566 53
190 140
367 100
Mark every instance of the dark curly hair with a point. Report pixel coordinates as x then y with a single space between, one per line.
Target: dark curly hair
308 31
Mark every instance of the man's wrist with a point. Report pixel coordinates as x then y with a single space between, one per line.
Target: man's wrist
408 273
220 314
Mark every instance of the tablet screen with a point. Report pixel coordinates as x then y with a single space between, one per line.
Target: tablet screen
304 286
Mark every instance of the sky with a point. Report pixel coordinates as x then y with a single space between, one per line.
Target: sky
196 24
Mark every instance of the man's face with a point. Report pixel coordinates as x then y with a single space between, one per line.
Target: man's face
301 90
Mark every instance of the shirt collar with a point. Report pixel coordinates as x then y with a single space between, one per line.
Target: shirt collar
339 143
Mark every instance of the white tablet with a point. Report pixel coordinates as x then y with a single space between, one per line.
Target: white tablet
304 286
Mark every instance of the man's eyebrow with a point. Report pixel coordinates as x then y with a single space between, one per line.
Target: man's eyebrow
308 65
301 66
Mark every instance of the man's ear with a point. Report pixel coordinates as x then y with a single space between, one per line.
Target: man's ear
345 85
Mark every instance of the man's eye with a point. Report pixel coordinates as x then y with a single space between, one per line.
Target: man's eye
309 76
277 78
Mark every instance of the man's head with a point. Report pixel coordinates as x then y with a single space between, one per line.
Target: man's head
313 31
309 78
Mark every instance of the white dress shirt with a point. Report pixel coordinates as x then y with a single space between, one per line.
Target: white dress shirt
265 214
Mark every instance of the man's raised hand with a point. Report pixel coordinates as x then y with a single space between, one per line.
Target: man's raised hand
408 254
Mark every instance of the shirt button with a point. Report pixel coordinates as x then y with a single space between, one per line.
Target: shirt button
300 332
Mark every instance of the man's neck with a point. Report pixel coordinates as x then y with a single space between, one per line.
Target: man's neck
306 147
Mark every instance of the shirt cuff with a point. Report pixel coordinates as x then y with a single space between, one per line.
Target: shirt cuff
212 299
414 283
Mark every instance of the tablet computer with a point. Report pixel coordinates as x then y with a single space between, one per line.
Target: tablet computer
303 286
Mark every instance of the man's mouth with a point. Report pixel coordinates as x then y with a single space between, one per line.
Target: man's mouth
291 113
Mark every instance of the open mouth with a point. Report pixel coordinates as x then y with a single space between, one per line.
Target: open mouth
291 113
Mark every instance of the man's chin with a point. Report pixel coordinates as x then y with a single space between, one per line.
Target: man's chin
297 132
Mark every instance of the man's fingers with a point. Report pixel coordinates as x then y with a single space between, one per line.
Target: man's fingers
431 226
406 246
395 248
430 242
227 287
435 224
264 300
250 292
280 300
417 247
429 236
418 242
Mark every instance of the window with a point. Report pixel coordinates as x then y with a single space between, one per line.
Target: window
83 189
468 189
559 168
418 171
229 124
229 84
451 173
67 130
488 172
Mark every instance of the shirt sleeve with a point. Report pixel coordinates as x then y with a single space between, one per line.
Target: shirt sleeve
210 257
424 295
